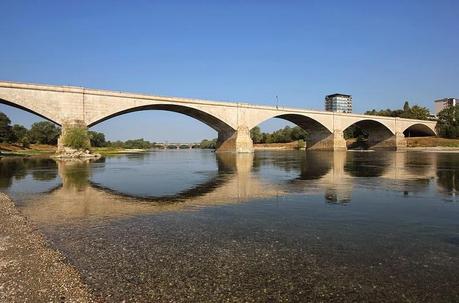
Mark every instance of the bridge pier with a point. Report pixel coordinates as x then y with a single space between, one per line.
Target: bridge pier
238 141
64 128
324 140
377 140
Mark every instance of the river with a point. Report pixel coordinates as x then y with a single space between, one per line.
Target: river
195 226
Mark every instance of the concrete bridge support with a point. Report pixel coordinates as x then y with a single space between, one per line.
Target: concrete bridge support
69 124
324 140
238 141
387 142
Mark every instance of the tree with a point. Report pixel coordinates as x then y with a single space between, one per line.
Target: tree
417 112
97 139
298 133
406 106
284 135
256 135
25 141
76 137
208 144
44 133
448 122
19 132
137 144
5 128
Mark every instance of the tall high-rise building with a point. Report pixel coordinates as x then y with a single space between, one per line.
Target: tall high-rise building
441 104
340 103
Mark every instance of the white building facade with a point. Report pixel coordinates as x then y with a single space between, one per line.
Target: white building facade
340 103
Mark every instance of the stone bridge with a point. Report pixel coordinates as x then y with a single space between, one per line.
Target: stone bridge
167 145
66 105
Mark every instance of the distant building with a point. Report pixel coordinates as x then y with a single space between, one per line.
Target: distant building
444 103
338 103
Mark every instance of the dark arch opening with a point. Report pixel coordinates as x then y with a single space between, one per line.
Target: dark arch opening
316 132
306 123
418 130
365 134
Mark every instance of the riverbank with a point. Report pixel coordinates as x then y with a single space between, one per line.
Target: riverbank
276 146
114 151
413 143
30 271
11 149
431 142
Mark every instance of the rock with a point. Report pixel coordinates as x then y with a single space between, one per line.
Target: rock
71 153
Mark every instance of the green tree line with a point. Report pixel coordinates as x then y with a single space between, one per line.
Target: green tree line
448 122
415 112
39 133
284 135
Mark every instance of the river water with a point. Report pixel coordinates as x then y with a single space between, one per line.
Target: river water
194 226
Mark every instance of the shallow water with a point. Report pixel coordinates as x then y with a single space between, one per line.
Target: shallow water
194 226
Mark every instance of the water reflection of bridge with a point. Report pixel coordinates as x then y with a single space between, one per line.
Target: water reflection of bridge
243 177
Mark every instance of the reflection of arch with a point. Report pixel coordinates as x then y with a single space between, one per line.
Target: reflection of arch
199 115
43 113
315 166
310 165
448 173
418 130
76 175
366 165
196 191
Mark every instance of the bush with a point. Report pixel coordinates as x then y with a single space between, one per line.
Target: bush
76 137
25 141
448 122
97 139
208 144
301 144
44 132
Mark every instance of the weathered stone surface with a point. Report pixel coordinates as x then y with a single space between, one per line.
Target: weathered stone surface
239 141
232 121
65 152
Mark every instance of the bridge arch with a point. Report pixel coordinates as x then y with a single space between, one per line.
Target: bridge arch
319 130
373 132
419 130
370 123
204 117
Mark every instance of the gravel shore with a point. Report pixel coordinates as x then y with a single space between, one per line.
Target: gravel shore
29 270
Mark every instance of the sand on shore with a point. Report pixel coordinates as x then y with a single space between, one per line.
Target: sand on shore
30 271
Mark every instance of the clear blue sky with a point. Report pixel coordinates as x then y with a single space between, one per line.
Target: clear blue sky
381 52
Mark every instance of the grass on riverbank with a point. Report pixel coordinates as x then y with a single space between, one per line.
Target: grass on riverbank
431 142
114 150
8 149
11 150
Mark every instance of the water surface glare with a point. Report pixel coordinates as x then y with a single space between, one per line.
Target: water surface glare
195 226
